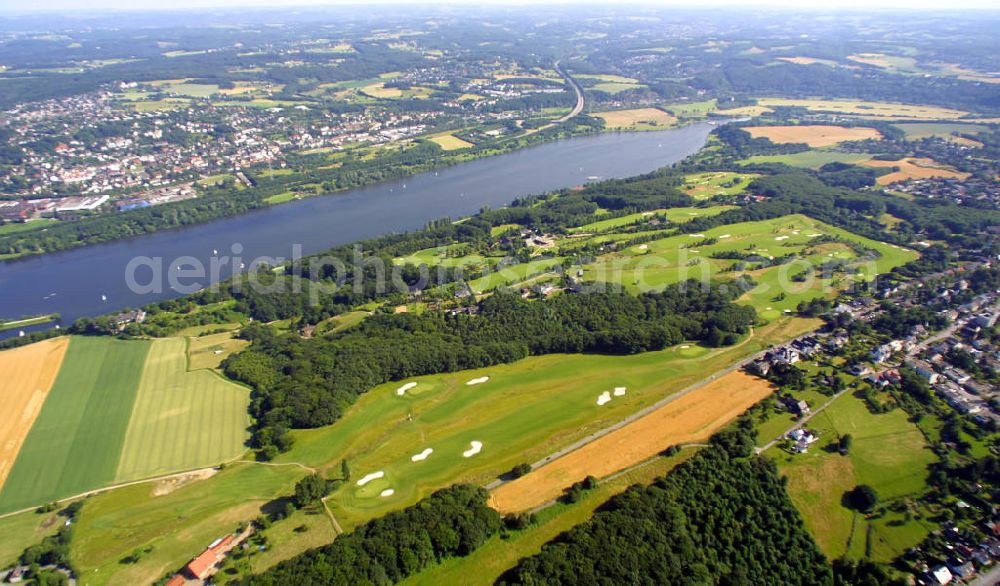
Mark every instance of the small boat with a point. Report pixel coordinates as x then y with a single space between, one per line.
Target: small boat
104 297
215 252
404 186
243 265
20 334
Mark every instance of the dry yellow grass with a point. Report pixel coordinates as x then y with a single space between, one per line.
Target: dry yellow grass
378 90
878 110
27 374
691 418
635 117
914 168
450 142
818 135
745 111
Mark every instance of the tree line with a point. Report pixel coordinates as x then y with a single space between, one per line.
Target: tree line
311 382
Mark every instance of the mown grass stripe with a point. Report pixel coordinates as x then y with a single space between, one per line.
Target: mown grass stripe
76 440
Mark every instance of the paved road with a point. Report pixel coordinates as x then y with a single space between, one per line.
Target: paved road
579 95
989 578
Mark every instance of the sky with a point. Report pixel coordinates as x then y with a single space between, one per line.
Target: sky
15 6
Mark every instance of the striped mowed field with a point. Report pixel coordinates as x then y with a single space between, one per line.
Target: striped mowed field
124 410
76 440
182 420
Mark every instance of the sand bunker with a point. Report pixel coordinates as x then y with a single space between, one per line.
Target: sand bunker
478 381
422 455
475 449
619 391
402 390
369 477
696 235
782 238
814 235
604 398
387 492
724 236
643 247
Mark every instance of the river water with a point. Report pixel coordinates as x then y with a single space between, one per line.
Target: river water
91 280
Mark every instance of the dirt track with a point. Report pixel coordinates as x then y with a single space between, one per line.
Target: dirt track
27 374
691 418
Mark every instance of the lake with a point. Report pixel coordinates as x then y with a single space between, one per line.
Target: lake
91 280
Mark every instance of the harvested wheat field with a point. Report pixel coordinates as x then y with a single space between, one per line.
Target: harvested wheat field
914 168
27 374
638 117
818 135
691 418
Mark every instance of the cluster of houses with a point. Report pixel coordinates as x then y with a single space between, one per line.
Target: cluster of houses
966 557
798 349
956 190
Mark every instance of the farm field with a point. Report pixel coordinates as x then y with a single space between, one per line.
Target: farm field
880 110
676 258
77 437
451 142
497 555
182 420
918 130
812 159
636 119
818 135
28 373
718 183
525 411
888 453
913 168
690 418
751 111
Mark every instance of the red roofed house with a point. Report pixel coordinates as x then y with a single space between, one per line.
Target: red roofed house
202 566
176 580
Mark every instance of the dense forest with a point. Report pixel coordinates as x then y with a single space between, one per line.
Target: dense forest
310 382
451 522
723 517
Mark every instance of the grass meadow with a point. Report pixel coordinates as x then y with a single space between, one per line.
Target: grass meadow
182 419
888 453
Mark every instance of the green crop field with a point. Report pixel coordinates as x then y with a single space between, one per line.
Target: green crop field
524 411
75 443
888 453
182 420
676 258
812 159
